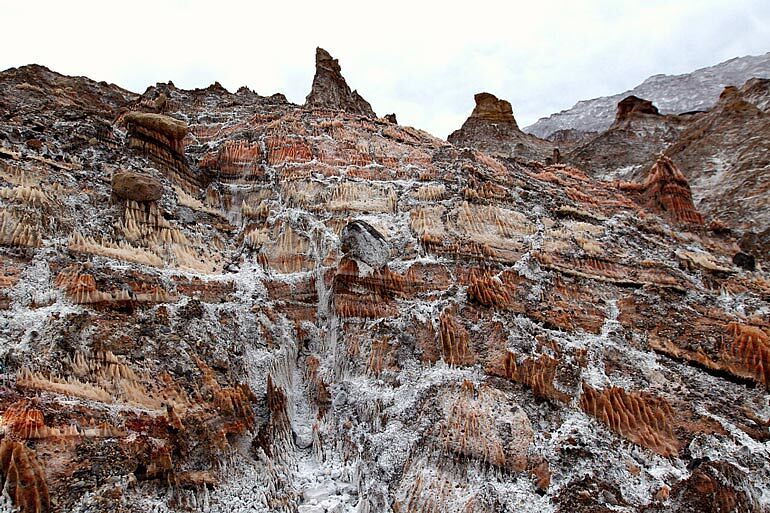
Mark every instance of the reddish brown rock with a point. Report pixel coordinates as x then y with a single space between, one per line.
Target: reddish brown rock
643 419
537 373
21 474
235 162
455 341
241 331
490 108
135 186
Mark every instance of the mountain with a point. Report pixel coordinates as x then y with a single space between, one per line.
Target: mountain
226 302
672 94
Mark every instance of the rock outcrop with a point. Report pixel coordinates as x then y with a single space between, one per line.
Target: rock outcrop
492 128
489 108
331 91
725 155
22 477
361 241
161 138
666 192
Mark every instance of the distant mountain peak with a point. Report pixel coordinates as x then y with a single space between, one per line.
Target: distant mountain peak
672 94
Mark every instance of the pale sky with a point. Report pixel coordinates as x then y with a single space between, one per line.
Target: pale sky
422 60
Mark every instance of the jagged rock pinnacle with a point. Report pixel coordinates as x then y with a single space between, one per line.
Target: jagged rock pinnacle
331 91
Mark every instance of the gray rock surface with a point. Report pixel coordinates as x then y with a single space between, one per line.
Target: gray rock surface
363 242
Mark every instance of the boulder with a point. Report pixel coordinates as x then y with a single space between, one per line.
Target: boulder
364 243
129 185
174 129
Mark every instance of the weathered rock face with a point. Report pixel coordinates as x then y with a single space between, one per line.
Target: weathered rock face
492 128
361 241
331 91
21 476
711 488
161 138
353 315
725 155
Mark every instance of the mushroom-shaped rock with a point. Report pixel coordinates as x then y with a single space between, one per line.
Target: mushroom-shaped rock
136 186
162 139
331 91
362 241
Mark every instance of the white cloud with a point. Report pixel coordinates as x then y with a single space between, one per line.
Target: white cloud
422 60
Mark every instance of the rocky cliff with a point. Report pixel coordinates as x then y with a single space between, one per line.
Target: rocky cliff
215 301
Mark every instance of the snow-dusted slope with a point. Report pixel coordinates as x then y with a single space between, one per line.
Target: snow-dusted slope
698 90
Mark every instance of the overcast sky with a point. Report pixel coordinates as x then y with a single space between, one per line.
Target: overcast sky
422 60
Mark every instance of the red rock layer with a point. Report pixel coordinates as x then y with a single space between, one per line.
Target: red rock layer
22 476
641 418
